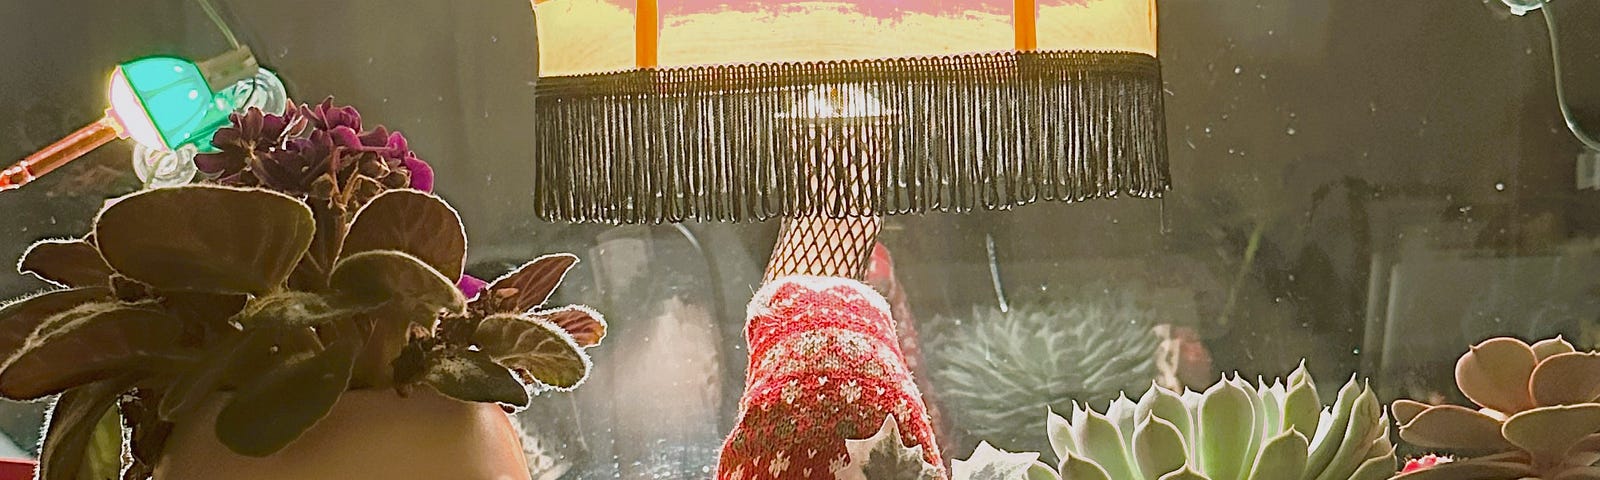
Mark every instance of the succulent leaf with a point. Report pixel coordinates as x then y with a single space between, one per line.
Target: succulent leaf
1166 405
70 263
1329 437
1495 374
1549 433
1185 474
1159 448
535 346
1358 437
473 377
1102 444
1059 431
1077 468
1454 427
1376 468
1405 410
1302 409
1474 469
1284 456
1566 379
277 407
248 240
1551 346
1227 426
413 222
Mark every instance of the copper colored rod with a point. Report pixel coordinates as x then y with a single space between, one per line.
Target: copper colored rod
65 150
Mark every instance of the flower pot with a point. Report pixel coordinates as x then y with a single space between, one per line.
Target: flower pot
370 434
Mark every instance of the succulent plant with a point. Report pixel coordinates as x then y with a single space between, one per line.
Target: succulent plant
1537 416
997 371
272 304
1233 431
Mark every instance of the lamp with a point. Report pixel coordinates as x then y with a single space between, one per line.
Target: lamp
163 103
830 113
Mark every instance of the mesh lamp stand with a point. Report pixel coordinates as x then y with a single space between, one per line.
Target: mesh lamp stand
830 114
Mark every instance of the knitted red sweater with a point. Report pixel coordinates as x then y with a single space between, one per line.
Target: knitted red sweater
825 366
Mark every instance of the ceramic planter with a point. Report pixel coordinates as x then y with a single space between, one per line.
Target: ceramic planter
370 434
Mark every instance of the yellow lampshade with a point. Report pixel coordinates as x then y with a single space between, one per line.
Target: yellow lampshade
597 36
664 111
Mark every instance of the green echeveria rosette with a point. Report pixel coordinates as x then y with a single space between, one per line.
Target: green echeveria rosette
1232 431
1537 415
274 304
999 371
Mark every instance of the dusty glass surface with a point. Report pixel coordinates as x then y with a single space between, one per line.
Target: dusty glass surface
1370 187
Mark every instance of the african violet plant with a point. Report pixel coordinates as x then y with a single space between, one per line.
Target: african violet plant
1538 415
335 276
1233 431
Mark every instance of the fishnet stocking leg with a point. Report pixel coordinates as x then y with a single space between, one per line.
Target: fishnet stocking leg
826 247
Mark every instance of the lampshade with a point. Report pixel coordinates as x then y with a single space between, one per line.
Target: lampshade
679 110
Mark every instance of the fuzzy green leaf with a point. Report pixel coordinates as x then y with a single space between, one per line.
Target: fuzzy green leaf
1226 431
72 422
1283 457
1159 448
102 458
206 238
208 375
376 277
290 309
20 318
275 409
533 345
473 377
72 263
585 325
413 222
528 286
92 342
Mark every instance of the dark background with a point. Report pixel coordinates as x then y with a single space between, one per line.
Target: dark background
1313 143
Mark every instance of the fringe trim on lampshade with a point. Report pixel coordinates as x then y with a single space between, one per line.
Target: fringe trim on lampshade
722 143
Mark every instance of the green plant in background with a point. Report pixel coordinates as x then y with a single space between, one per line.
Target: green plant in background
1233 431
1538 415
998 370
